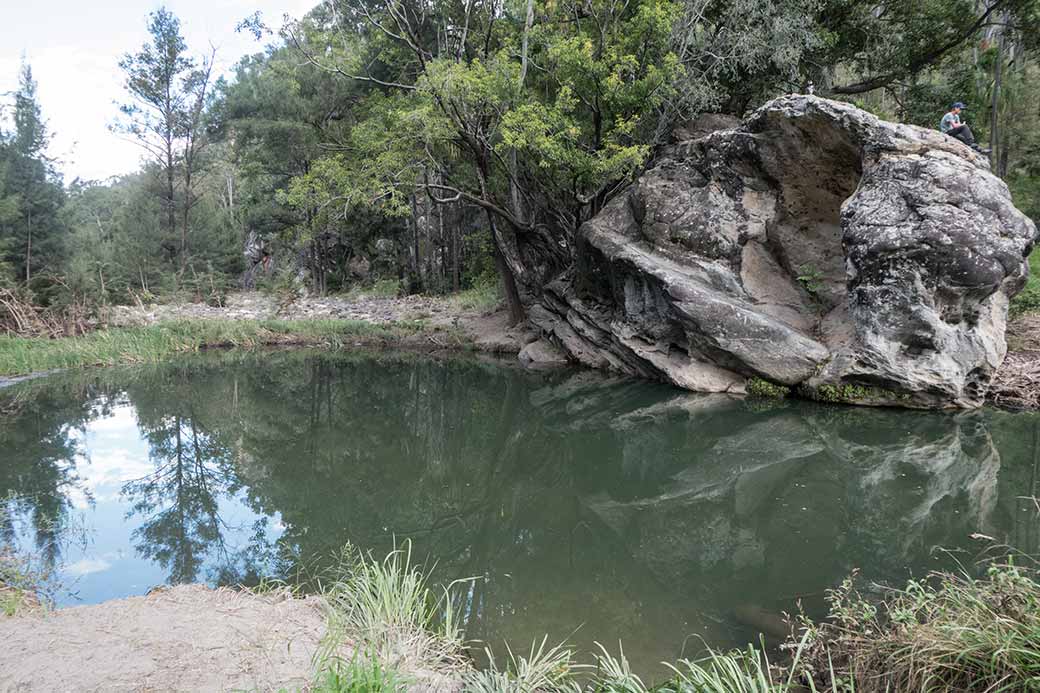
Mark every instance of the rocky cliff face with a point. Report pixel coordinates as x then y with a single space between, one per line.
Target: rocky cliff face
813 246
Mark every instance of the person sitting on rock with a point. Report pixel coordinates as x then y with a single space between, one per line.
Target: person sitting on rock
951 125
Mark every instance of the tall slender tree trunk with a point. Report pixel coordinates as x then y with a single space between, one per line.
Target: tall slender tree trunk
186 215
994 115
456 284
416 260
28 246
514 187
171 212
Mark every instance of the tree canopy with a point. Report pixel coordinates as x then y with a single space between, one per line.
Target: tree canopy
440 144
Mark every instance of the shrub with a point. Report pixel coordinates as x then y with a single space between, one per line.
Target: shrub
946 632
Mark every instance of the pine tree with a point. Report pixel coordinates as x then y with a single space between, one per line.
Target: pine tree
166 118
32 238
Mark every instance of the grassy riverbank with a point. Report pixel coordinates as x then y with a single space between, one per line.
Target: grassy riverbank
943 633
154 343
388 628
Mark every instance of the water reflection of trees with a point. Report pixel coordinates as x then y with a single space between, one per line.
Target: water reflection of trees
179 501
40 435
188 428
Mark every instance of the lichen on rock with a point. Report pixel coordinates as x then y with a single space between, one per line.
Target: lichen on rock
815 246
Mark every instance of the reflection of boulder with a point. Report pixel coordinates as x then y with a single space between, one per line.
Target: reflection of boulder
791 500
907 484
699 519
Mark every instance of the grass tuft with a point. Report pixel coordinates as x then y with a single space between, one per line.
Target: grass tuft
362 674
483 298
382 288
543 669
390 611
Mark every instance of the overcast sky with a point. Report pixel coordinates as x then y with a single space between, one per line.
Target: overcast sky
74 48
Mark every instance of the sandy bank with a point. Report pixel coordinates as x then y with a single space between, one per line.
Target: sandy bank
186 638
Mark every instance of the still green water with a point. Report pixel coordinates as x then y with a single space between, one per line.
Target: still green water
590 508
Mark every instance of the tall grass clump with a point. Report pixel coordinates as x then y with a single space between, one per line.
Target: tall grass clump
947 632
381 288
364 673
390 611
544 668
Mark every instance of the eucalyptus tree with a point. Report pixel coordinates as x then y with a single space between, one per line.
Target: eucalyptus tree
534 122
277 115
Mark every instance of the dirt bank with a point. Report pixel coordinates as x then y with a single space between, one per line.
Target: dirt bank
1017 385
187 638
485 331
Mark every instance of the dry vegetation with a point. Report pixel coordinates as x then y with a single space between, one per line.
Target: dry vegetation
20 317
1017 384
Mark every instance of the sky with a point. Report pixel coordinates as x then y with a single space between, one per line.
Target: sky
74 49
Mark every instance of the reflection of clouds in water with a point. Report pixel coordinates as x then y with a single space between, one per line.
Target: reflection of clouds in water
87 566
114 454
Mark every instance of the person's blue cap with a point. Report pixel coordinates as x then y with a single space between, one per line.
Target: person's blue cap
958 104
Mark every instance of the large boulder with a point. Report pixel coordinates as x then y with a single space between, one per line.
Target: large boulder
814 246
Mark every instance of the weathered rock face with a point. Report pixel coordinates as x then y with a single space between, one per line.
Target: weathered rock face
813 246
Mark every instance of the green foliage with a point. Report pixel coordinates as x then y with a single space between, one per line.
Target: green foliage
362 674
758 387
1029 300
738 53
483 297
849 393
811 279
381 288
31 196
946 632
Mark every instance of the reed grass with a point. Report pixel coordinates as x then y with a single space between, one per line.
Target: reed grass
364 673
390 611
154 343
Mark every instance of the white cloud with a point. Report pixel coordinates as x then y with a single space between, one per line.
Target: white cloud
86 566
74 49
116 455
